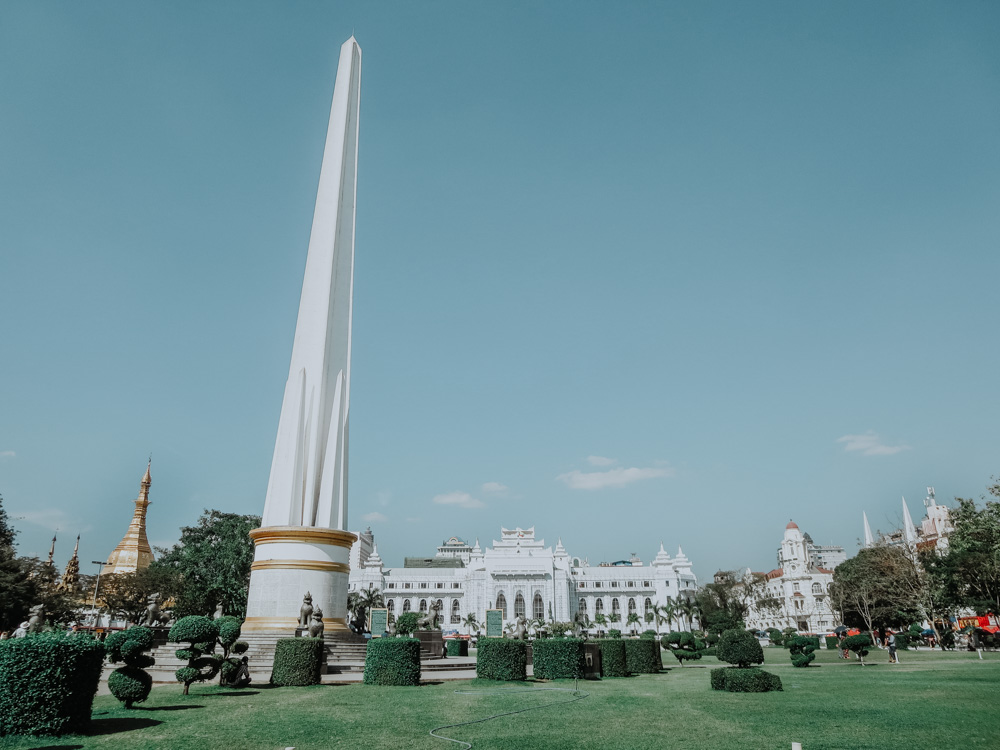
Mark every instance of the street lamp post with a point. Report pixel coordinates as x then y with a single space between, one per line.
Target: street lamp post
101 565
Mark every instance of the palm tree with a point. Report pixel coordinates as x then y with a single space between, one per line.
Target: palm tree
352 604
685 608
614 617
633 620
470 622
601 621
667 613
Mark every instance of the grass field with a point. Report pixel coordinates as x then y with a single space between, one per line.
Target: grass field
930 700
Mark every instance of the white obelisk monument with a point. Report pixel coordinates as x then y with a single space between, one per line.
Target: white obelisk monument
303 543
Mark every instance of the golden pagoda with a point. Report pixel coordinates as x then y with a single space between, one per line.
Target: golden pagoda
71 578
133 551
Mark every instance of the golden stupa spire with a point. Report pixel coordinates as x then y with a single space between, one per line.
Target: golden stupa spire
52 551
133 551
71 578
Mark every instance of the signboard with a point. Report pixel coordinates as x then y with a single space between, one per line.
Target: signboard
378 622
494 623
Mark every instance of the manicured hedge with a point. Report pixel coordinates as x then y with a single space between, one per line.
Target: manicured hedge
559 658
717 677
711 651
642 656
48 682
740 647
649 634
501 659
297 662
614 633
392 661
751 680
457 647
833 642
612 657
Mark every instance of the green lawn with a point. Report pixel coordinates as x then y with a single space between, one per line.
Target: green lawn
930 700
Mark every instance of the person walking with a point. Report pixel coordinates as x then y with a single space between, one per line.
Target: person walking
891 643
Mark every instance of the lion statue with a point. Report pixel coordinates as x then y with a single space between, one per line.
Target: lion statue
305 612
430 620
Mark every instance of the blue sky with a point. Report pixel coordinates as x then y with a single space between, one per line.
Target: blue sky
626 272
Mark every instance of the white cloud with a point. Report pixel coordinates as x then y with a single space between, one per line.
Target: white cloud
52 519
460 499
597 480
601 461
495 487
7 454
869 444
375 516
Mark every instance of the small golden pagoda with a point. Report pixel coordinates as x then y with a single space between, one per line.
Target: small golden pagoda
71 578
133 551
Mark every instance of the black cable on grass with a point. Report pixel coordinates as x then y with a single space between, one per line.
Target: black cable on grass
578 696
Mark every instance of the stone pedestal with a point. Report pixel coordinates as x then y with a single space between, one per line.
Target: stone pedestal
431 643
592 657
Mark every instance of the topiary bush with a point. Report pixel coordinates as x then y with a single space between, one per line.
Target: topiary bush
711 651
642 656
774 635
200 633
406 623
614 633
832 642
800 649
392 661
48 683
750 680
502 659
683 645
858 644
297 662
717 678
649 634
457 647
559 658
612 657
740 647
131 683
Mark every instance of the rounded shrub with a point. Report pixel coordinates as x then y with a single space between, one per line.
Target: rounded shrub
502 659
130 684
774 635
297 662
48 682
832 642
684 646
800 650
194 629
457 647
559 658
614 633
406 623
612 657
392 661
750 680
858 644
739 647
642 656
647 634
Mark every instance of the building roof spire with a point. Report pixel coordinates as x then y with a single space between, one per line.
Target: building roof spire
869 539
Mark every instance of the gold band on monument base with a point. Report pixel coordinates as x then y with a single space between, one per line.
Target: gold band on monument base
308 534
289 624
325 565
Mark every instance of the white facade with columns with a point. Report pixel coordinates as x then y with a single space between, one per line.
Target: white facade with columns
519 573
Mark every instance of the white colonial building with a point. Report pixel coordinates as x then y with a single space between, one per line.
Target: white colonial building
520 575
797 592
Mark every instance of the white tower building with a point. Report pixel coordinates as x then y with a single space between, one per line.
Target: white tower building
303 544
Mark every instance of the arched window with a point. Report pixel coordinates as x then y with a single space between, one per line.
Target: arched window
423 605
391 606
440 604
615 606
456 617
648 606
518 605
502 605
538 607
406 605
599 606
817 588
631 606
583 606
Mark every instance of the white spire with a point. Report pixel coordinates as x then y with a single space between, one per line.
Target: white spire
869 539
909 532
374 561
662 558
560 550
476 550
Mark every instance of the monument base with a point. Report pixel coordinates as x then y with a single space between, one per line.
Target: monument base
431 643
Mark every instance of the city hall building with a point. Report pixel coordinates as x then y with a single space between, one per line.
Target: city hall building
521 576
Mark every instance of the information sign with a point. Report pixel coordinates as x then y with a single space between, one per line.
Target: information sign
494 623
378 622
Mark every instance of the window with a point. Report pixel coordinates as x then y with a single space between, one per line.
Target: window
406 605
391 606
538 607
817 588
631 606
647 585
631 584
615 606
583 606
406 585
456 585
518 605
795 587
439 585
423 585
614 584
597 584
581 584
648 606
440 605
392 585
456 617
423 605
599 606
502 605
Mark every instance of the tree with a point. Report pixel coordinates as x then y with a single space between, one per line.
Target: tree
683 645
59 607
601 620
17 592
724 603
126 595
876 588
858 644
800 650
738 646
213 560
471 623
633 620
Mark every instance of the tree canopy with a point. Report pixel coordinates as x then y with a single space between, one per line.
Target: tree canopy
877 588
